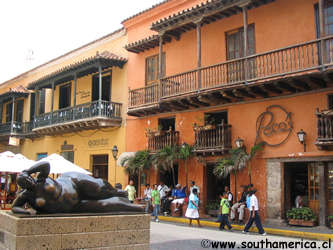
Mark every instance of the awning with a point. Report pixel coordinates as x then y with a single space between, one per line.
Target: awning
14 163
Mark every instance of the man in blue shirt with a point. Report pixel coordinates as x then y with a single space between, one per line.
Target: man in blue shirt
179 195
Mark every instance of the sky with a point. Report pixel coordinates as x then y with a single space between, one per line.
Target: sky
36 31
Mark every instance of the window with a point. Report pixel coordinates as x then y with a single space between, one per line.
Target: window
330 182
64 96
41 156
41 107
216 118
9 107
330 101
152 68
19 111
32 106
235 49
68 155
106 88
166 124
100 166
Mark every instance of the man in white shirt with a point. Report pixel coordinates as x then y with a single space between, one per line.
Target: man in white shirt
163 189
254 214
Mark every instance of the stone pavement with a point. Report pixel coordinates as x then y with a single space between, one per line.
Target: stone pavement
166 235
318 233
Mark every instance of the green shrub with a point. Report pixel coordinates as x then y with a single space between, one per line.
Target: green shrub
213 205
303 213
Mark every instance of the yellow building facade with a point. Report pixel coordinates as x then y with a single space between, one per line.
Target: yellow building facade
74 105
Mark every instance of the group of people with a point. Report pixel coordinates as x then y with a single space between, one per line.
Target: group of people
248 200
161 197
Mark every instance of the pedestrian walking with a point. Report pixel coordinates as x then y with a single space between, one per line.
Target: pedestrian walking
225 207
156 201
192 211
254 214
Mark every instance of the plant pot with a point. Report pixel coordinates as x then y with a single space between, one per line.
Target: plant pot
331 224
213 212
303 223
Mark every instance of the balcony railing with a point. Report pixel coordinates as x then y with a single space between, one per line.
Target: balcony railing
213 138
103 109
273 64
22 128
324 128
165 138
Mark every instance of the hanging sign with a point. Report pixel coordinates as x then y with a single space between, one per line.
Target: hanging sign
13 141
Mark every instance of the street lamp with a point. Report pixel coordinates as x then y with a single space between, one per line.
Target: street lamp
239 142
301 137
115 154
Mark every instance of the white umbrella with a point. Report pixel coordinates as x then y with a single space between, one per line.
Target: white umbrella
14 163
60 165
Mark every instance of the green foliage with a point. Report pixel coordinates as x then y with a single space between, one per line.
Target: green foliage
137 163
303 213
213 205
164 158
223 167
185 152
330 218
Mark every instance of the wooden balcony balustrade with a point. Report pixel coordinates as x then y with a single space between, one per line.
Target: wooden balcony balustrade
241 74
84 116
165 138
324 129
213 139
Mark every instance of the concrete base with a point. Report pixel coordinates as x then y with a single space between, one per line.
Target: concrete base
75 232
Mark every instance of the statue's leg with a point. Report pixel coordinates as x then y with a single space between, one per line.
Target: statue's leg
115 204
98 189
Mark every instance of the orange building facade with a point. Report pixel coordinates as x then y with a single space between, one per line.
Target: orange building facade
209 72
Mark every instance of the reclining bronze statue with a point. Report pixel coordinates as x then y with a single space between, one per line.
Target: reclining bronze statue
72 192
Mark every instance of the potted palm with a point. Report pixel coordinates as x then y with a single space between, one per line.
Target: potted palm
213 208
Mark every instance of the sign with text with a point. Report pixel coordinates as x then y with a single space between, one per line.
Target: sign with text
13 141
98 143
274 126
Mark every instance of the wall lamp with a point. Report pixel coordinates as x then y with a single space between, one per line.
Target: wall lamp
301 137
239 142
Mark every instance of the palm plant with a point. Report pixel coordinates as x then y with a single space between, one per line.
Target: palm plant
165 158
237 161
185 153
135 165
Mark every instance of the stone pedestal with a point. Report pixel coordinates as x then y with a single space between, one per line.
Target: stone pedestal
130 231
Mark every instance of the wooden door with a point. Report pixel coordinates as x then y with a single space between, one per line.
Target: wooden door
314 186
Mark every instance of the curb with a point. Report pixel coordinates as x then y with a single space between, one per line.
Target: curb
273 231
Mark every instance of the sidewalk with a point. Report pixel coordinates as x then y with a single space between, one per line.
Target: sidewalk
314 233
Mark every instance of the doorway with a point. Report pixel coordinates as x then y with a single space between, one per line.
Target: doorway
167 178
296 183
215 185
167 124
100 166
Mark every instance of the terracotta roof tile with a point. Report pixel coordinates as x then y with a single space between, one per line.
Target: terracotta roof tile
19 89
146 10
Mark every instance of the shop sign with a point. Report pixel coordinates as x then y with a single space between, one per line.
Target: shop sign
274 126
13 141
98 143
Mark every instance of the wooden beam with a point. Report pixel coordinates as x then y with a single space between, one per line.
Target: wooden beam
195 100
231 95
271 88
186 102
301 84
319 82
242 93
285 86
257 91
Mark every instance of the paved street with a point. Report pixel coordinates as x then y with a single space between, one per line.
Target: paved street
176 236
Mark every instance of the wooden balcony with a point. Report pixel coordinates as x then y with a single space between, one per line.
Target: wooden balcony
284 71
165 138
213 139
325 130
90 115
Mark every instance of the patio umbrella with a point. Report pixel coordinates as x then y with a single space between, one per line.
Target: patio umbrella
14 163
60 165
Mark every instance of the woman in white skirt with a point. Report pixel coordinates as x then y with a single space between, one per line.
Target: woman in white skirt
192 211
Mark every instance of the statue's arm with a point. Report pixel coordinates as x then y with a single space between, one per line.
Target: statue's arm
42 167
21 199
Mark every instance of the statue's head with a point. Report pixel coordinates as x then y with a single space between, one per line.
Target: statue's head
25 181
